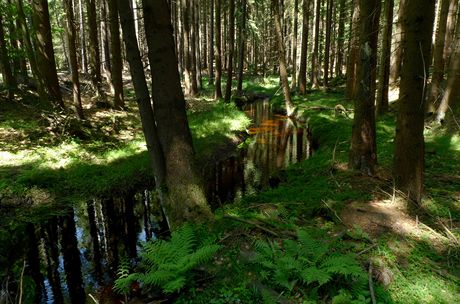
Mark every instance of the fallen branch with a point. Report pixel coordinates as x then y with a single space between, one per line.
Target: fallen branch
257 225
371 284
21 282
335 213
367 249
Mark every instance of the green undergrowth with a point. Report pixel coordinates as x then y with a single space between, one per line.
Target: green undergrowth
407 268
47 157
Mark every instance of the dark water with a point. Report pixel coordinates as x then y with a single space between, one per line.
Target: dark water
275 142
72 256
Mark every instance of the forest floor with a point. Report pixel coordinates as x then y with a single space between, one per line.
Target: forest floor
413 251
48 159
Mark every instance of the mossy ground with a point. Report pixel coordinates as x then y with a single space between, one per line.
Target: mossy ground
418 264
68 162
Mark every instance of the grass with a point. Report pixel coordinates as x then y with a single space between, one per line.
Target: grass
50 159
421 264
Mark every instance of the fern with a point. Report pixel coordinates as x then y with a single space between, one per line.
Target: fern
167 264
309 261
123 283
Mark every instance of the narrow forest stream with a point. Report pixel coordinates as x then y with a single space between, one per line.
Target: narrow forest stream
78 254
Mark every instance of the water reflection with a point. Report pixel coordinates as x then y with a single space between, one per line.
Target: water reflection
73 255
276 142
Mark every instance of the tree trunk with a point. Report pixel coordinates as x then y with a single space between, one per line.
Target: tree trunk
218 51
450 32
452 91
294 45
70 34
193 50
241 46
231 50
341 38
44 50
94 60
327 46
142 94
185 10
106 66
409 142
196 30
117 62
396 58
5 63
30 51
211 43
186 197
363 151
353 52
315 56
438 59
290 109
16 68
303 53
384 72
84 56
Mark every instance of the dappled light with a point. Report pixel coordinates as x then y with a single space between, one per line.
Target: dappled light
229 151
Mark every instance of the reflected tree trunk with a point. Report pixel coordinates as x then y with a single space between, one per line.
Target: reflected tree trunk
93 230
72 262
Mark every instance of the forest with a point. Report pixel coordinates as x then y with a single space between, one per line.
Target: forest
229 151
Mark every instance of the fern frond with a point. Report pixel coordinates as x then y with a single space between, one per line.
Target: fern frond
313 274
344 264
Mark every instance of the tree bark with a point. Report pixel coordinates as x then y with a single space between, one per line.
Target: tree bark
84 56
218 51
294 44
315 56
142 94
384 72
185 11
193 49
231 50
327 46
303 52
396 59
115 49
438 58
5 63
290 109
94 59
341 38
409 141
241 46
211 43
44 50
186 197
353 52
363 151
30 51
106 66
452 91
70 34
450 32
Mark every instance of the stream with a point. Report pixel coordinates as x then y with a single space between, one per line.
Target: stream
72 256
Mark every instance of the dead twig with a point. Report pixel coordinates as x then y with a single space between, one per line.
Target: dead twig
257 225
21 282
371 284
367 249
335 213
